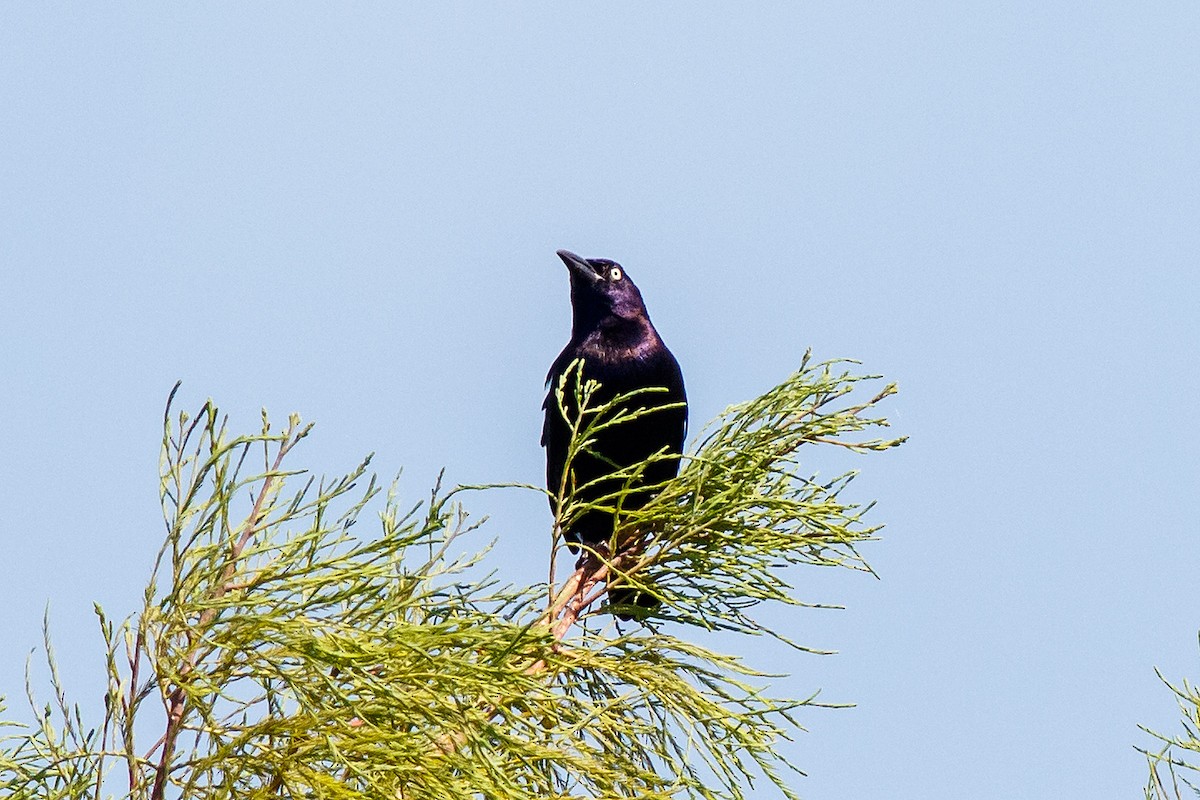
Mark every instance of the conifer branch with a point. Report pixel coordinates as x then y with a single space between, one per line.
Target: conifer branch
1178 756
293 657
178 699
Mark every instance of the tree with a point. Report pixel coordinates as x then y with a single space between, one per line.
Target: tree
1170 764
279 654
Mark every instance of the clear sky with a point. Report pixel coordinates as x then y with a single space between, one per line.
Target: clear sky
352 211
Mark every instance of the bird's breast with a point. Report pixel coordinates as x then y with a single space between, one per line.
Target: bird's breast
621 346
615 354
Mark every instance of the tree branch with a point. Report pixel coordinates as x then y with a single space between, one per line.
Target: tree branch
177 700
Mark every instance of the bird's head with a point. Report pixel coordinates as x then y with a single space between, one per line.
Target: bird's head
601 291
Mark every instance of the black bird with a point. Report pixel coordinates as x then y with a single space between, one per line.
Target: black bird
619 347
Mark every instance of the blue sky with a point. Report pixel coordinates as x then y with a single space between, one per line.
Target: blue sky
352 213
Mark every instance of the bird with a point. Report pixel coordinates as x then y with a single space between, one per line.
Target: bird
620 349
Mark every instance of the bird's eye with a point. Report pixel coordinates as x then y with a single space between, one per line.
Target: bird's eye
614 274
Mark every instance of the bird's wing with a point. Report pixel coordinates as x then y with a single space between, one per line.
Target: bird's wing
550 404
546 419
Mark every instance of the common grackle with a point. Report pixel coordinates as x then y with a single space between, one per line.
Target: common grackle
612 335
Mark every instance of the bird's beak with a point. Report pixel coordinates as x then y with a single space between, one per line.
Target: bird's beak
578 266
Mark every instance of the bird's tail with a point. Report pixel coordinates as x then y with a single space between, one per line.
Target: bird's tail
629 602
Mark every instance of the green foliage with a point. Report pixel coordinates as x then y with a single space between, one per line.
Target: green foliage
743 507
1177 756
279 654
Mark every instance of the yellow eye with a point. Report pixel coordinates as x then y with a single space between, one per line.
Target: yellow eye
614 274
